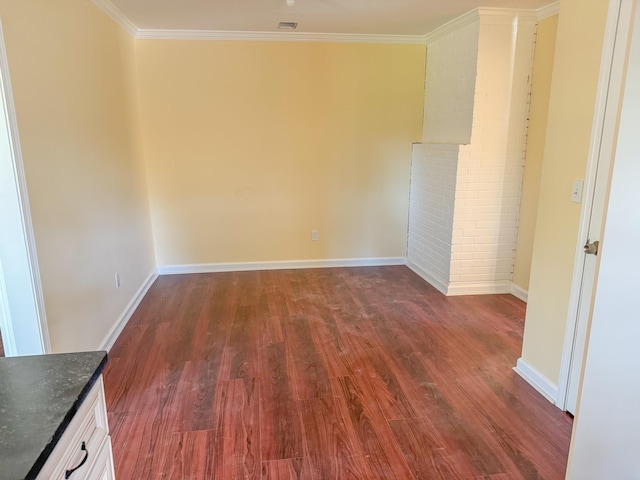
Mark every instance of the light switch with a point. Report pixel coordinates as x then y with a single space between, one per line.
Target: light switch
576 193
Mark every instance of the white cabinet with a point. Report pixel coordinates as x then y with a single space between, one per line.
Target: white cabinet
103 467
84 451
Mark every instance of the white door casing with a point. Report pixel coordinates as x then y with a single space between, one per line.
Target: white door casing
22 317
601 152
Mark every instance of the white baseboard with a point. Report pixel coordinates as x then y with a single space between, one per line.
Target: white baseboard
113 334
538 381
432 279
478 288
287 265
467 288
519 292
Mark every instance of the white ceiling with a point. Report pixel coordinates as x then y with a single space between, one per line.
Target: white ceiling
376 17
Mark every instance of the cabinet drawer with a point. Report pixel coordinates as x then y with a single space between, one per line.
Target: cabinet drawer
78 448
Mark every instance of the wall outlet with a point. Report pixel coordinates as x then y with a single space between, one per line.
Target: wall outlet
314 235
117 280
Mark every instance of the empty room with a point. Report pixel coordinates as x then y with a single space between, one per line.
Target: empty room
319 239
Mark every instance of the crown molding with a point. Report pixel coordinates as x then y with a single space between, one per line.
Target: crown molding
153 34
489 16
505 16
485 16
456 24
117 16
548 11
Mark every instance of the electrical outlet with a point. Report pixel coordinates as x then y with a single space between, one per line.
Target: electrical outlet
117 280
314 235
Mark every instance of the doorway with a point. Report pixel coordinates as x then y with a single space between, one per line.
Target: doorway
611 83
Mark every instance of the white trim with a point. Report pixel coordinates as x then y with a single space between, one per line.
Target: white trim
432 279
454 25
548 11
159 34
460 288
519 292
170 34
25 210
484 15
611 60
285 265
478 288
117 16
6 326
115 331
533 377
505 16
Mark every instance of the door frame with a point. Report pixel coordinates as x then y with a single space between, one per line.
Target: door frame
609 94
36 297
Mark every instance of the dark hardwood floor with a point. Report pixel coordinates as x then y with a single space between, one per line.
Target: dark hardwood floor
362 373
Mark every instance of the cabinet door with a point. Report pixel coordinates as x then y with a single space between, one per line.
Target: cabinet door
103 467
77 449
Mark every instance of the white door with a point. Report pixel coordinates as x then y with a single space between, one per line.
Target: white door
596 190
605 443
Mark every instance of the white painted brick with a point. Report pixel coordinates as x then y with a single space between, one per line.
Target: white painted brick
433 180
484 224
465 199
460 256
489 277
471 232
449 105
466 224
476 248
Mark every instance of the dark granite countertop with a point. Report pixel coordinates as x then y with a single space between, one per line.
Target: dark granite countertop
39 396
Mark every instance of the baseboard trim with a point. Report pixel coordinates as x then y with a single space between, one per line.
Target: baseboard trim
478 288
519 292
533 377
115 331
434 280
288 265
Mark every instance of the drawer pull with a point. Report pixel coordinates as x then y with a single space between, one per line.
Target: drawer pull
83 447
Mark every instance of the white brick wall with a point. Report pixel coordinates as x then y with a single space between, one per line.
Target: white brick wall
450 85
432 198
488 176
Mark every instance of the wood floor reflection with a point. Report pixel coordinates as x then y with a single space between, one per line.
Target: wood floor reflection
361 373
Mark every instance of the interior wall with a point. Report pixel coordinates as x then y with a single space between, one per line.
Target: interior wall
71 70
536 138
450 86
605 438
576 68
252 145
489 181
478 193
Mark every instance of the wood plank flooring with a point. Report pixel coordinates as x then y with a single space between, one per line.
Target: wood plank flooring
362 373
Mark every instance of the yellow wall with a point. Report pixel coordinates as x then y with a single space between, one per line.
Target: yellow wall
571 108
72 71
249 146
539 108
